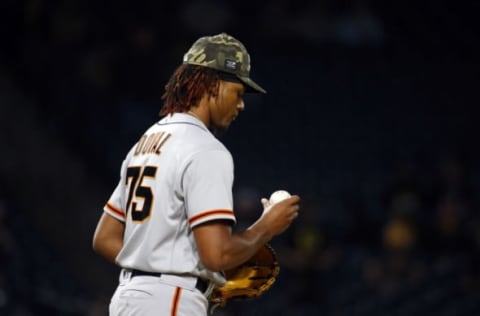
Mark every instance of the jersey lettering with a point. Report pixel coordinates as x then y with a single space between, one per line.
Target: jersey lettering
151 144
137 190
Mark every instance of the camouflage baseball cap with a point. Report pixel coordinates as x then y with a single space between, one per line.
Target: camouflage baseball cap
225 53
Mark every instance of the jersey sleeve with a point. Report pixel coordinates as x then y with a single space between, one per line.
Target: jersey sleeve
114 206
207 184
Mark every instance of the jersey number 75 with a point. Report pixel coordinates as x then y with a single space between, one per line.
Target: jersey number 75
137 190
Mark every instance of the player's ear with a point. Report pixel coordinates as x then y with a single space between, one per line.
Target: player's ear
218 87
211 96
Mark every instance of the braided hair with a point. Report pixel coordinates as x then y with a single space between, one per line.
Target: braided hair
187 86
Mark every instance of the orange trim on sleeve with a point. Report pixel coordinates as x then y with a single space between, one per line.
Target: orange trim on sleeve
210 213
115 210
175 301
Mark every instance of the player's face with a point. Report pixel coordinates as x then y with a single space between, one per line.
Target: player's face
227 105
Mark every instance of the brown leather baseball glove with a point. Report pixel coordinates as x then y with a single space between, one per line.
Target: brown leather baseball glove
249 280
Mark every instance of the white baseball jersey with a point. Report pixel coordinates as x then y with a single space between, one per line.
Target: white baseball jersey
177 176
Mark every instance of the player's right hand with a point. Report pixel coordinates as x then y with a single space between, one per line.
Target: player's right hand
278 217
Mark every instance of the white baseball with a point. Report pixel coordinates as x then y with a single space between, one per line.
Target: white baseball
278 196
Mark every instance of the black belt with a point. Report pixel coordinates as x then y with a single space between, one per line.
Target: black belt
201 284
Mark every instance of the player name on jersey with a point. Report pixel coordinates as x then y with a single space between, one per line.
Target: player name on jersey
151 144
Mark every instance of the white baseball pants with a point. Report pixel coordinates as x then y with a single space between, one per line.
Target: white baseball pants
167 295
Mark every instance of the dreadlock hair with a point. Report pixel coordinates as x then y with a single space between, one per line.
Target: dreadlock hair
187 86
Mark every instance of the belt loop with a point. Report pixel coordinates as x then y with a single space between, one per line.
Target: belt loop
125 275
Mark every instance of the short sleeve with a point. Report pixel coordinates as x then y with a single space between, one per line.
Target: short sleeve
207 183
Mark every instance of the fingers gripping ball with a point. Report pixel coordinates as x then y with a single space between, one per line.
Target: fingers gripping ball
276 197
279 196
249 280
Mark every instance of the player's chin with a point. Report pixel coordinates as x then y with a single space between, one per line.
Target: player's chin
219 130
222 126
230 122
226 124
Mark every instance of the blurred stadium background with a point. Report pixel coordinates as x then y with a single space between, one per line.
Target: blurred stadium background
370 117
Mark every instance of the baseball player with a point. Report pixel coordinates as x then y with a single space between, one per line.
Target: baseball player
168 223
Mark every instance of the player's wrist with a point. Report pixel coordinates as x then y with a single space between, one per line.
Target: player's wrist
262 232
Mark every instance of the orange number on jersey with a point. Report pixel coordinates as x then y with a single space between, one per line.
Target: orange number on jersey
139 191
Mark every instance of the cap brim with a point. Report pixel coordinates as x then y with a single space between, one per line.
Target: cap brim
255 88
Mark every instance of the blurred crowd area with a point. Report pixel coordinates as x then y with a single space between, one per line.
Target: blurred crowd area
369 117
